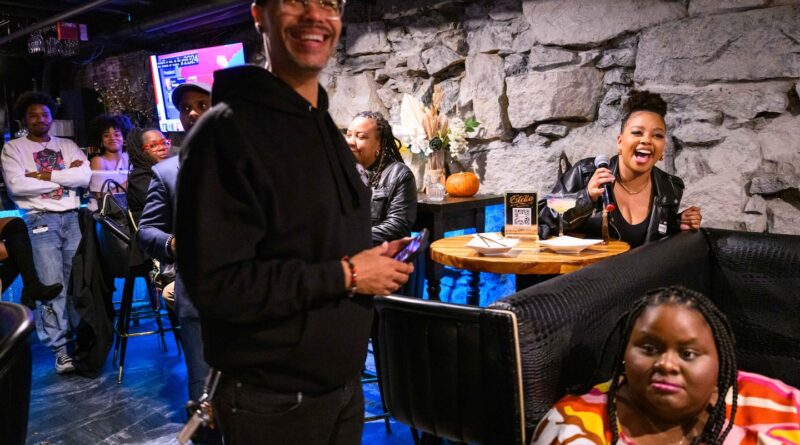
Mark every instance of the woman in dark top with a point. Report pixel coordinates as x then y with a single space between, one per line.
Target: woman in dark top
394 190
146 148
646 198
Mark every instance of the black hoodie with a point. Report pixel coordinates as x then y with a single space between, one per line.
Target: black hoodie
269 201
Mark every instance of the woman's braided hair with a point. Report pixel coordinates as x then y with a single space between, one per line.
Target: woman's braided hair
388 152
713 432
137 155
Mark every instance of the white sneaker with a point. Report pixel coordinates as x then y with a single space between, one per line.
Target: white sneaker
64 364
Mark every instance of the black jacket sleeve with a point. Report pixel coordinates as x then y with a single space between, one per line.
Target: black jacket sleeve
574 180
223 200
401 207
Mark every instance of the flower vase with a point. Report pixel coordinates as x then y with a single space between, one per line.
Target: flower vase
434 184
416 162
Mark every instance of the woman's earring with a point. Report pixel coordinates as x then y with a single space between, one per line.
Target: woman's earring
259 28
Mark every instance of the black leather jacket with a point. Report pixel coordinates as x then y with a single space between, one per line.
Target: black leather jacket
586 217
394 203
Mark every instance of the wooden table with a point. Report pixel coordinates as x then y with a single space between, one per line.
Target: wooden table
443 216
532 258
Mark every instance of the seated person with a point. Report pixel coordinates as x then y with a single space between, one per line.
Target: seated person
394 190
112 162
16 258
646 198
675 381
146 147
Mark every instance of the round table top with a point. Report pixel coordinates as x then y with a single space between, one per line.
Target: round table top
531 258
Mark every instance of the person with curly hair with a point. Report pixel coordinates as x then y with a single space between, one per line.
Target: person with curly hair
394 190
675 381
43 174
646 199
112 162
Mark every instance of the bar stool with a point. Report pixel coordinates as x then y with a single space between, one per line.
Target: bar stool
128 313
115 260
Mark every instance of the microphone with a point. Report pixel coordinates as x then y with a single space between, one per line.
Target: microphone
602 161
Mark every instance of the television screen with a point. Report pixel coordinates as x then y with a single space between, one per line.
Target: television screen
196 65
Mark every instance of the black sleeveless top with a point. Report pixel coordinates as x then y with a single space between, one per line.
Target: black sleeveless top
633 234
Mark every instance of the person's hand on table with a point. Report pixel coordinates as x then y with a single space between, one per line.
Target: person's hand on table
595 187
691 218
377 273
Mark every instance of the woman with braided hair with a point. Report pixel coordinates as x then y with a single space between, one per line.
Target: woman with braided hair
394 190
146 148
675 381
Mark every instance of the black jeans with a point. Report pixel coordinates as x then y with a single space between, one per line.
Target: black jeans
252 415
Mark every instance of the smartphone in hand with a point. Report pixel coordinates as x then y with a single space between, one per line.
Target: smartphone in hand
417 244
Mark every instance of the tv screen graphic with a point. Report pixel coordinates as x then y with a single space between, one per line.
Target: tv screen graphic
196 65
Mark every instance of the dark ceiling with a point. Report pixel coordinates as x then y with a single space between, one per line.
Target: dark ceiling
116 26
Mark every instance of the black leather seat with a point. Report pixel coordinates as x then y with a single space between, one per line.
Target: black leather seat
16 322
753 278
451 370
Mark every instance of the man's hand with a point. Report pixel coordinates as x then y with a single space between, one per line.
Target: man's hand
394 247
691 218
171 247
43 176
377 273
75 163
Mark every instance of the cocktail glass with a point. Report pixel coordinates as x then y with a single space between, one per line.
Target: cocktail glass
561 202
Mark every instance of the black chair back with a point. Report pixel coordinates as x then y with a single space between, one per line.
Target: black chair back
451 370
16 322
756 283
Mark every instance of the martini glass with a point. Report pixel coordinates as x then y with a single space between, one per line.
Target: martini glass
561 202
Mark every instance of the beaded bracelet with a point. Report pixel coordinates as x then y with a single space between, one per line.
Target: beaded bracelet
353 276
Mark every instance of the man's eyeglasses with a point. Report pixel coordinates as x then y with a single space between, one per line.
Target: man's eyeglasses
166 143
332 8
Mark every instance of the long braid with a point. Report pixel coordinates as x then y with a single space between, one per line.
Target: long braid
388 152
625 326
724 339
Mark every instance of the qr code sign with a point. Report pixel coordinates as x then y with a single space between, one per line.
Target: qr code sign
521 217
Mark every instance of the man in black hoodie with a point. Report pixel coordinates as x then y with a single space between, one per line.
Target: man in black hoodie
275 245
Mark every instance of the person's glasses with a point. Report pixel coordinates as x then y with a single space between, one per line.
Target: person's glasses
332 8
166 143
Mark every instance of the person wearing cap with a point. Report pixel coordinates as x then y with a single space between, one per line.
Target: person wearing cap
156 238
192 99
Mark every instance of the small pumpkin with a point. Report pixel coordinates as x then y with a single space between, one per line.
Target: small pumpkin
462 184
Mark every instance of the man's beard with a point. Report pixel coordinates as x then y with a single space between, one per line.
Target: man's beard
40 131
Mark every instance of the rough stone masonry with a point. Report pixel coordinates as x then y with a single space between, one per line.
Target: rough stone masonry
549 76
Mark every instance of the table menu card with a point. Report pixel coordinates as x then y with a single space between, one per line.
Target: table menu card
522 215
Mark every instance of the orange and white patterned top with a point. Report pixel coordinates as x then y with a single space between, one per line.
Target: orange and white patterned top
767 413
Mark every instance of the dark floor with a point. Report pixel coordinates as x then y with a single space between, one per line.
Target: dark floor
147 408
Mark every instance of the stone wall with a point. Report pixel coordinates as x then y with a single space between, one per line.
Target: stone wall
548 77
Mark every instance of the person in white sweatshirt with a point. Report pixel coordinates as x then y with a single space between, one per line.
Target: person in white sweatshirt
43 174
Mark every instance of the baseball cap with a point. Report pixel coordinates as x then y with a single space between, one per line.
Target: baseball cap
179 91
